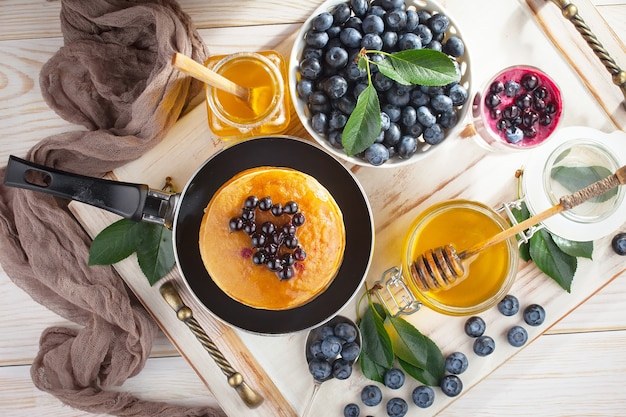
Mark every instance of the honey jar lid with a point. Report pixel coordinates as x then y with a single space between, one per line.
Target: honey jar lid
573 158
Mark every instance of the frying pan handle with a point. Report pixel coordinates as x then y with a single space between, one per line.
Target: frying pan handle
125 199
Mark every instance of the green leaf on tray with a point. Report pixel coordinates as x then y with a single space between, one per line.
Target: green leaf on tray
153 244
416 353
419 66
386 338
551 260
553 255
577 178
377 352
364 123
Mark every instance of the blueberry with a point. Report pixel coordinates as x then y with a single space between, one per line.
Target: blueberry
425 116
320 369
373 24
319 123
394 112
456 363
377 154
529 81
424 34
337 120
441 103
310 68
394 378
618 243
517 336
409 116
322 22
511 88
359 7
419 98
397 407
304 87
509 305
438 23
336 57
451 385
371 395
350 351
316 39
342 369
351 410
433 134
385 122
484 346
335 86
407 146
353 72
346 331
341 13
331 346
392 135
390 39
423 396
391 4
454 46
351 37
396 19
514 134
398 96
409 41
448 119
475 326
534 315
372 41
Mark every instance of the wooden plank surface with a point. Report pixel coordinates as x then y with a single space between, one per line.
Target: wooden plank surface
579 358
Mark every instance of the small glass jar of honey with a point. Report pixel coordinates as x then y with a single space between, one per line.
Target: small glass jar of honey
267 113
488 276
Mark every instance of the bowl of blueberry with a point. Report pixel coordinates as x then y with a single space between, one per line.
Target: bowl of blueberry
326 79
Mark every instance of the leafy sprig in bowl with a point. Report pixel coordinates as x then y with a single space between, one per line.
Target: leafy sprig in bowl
349 142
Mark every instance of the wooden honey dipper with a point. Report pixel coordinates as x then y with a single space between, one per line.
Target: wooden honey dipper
442 267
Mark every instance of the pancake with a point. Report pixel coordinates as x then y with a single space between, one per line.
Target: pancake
228 253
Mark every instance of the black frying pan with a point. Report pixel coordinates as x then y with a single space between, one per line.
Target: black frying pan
184 214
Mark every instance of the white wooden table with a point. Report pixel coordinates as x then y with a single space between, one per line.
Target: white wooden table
577 367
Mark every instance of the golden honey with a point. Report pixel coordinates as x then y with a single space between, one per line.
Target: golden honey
489 275
266 113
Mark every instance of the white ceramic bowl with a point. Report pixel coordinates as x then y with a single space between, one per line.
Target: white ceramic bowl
303 112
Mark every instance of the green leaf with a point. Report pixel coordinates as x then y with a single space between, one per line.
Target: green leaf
572 248
363 125
115 243
420 374
420 66
551 260
376 352
415 349
577 178
155 252
153 244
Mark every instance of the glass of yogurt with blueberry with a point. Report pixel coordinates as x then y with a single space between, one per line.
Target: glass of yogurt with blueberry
519 108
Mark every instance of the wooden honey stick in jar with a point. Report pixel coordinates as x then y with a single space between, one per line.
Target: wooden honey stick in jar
443 267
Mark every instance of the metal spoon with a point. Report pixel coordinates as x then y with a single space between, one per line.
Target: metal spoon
314 336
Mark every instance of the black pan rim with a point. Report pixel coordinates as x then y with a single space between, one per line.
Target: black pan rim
290 152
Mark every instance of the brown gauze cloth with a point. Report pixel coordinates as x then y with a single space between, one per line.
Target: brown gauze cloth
112 76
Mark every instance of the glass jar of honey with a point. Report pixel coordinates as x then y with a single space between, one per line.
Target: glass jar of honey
266 113
487 278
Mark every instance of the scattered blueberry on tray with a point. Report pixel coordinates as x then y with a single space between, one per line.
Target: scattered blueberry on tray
509 305
397 407
423 396
456 363
534 315
371 395
517 336
351 410
451 385
619 244
394 378
475 326
484 345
